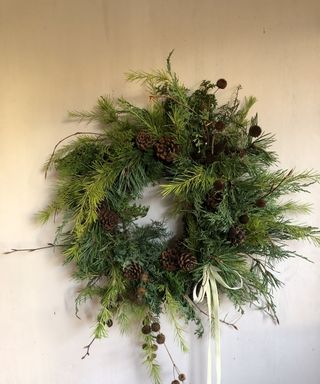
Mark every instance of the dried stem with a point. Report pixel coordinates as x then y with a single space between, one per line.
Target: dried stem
175 368
50 245
87 347
61 141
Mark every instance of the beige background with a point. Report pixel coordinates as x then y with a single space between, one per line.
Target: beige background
61 55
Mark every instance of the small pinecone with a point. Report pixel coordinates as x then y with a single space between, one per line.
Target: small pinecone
144 140
169 259
255 131
236 235
108 219
213 200
132 271
182 377
221 83
187 261
166 149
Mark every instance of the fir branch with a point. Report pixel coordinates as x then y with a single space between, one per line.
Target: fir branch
172 310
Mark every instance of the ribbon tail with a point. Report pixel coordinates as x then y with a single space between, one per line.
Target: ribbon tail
209 365
215 299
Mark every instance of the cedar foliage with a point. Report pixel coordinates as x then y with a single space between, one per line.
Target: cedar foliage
110 168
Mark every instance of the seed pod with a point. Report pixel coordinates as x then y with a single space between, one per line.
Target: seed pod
146 329
155 327
161 338
182 377
255 131
221 83
261 203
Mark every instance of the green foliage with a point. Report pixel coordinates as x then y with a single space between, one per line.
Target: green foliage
220 172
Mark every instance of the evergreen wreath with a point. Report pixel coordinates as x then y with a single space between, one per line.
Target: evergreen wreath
218 168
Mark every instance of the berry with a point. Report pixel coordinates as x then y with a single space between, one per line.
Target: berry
255 131
146 329
155 327
161 338
221 83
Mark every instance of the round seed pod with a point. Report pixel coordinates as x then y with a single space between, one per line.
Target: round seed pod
155 327
244 219
261 203
160 338
221 83
175 382
109 323
255 131
146 329
182 377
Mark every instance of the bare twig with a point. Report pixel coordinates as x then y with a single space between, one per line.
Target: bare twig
87 347
61 141
50 245
175 368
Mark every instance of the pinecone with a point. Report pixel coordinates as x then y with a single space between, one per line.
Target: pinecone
261 203
166 149
213 200
187 261
169 259
144 140
132 271
182 377
236 235
108 218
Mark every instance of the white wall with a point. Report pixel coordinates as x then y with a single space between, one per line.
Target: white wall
61 55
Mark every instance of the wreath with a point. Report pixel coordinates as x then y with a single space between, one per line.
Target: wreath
217 167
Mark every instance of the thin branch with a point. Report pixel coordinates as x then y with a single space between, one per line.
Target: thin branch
87 347
171 358
50 245
61 141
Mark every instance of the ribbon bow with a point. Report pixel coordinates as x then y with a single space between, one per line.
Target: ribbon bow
207 288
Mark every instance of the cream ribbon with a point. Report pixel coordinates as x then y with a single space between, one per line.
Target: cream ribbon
208 289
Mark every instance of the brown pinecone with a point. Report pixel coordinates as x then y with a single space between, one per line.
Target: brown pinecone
108 218
213 200
166 149
187 261
132 271
169 259
155 327
236 235
182 377
144 140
